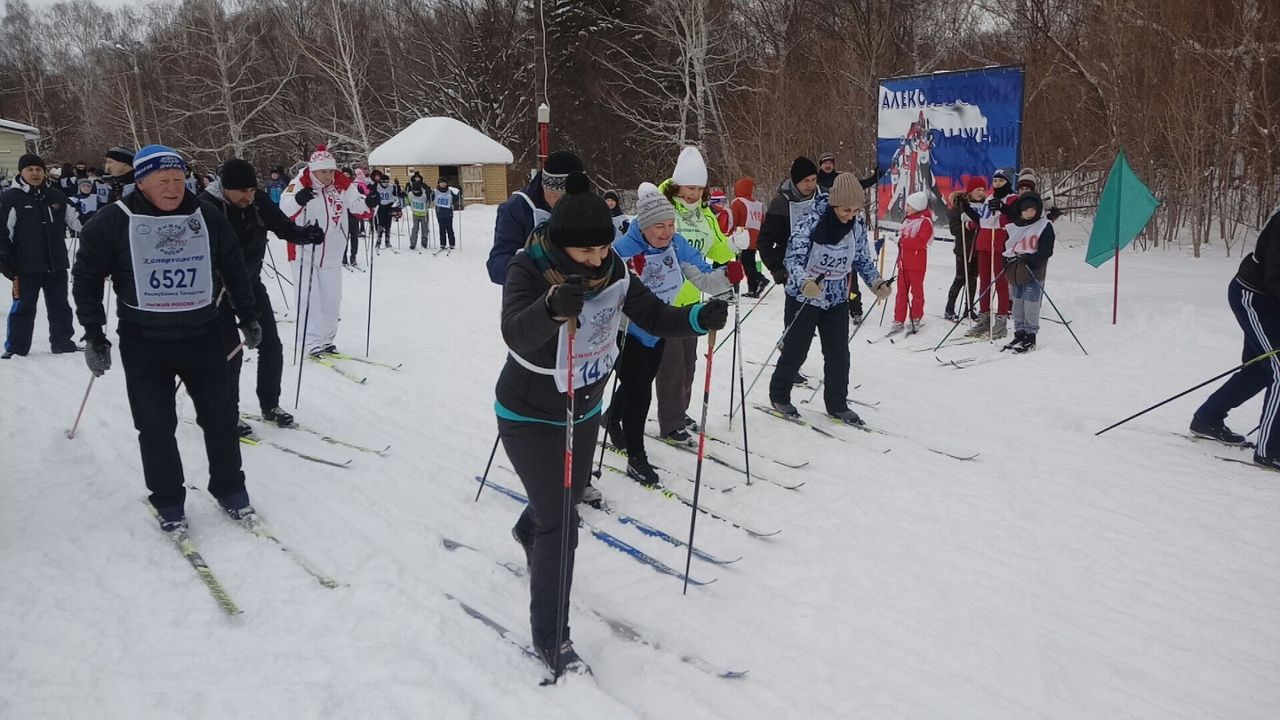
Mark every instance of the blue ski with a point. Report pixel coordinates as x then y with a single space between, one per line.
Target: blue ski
610 540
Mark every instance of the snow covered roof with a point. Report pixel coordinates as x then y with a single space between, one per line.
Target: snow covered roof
440 141
26 131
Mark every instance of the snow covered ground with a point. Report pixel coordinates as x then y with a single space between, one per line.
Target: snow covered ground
1058 575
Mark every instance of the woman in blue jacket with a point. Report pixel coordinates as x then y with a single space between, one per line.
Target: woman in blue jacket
663 260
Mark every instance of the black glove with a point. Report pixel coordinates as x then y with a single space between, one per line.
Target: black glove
304 196
311 235
713 314
372 200
1053 214
779 276
994 203
252 333
566 300
97 354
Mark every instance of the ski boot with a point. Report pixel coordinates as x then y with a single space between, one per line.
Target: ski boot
1018 336
785 408
1220 432
1028 344
848 417
639 469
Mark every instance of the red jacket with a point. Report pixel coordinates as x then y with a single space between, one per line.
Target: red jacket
913 241
747 212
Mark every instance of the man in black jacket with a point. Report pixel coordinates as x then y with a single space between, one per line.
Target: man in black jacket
251 215
170 258
118 164
1254 295
34 217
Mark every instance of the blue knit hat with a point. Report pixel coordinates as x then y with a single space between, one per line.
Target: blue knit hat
156 157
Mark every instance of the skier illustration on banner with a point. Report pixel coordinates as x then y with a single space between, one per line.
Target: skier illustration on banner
911 169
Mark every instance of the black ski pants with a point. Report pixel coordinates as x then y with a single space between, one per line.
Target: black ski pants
964 274
22 313
832 326
637 367
445 219
755 279
353 229
536 451
270 352
151 371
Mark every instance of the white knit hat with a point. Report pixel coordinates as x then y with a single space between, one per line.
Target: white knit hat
690 168
918 201
322 159
652 206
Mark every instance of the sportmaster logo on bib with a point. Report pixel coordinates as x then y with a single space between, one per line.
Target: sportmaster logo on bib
600 326
669 261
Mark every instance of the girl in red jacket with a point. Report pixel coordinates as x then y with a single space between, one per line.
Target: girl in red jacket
913 259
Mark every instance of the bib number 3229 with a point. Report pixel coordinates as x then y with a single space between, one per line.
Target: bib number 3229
170 279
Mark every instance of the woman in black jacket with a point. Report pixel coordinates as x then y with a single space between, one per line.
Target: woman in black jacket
567 270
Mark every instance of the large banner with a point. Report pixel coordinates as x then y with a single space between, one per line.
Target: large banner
935 131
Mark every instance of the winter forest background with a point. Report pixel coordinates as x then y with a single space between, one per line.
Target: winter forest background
1191 90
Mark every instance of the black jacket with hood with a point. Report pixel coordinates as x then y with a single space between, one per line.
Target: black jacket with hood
252 223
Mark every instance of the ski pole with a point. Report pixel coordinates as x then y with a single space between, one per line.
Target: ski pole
368 321
733 358
297 326
852 335
485 478
613 393
702 444
744 317
279 282
1241 366
566 498
1059 312
306 325
71 434
976 300
776 346
742 388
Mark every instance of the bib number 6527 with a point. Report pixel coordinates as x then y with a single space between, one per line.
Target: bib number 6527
171 279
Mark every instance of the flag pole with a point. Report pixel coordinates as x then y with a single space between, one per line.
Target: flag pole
1115 283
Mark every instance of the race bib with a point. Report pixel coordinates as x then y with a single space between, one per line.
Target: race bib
385 195
104 193
755 213
172 271
798 210
988 218
697 232
1024 240
662 274
830 260
540 216
595 345
445 200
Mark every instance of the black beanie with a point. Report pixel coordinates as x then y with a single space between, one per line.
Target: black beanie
120 153
559 165
801 168
237 174
28 160
580 219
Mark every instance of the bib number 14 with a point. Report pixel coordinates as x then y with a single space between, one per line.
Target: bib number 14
591 370
172 279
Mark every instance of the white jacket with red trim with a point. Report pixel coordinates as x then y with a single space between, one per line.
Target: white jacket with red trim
327 210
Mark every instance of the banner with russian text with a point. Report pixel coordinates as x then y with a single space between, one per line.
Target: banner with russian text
937 130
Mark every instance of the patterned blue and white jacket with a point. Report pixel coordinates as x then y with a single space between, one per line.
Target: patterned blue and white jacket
835 290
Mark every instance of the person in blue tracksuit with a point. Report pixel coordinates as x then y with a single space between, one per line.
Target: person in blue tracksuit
663 260
1254 296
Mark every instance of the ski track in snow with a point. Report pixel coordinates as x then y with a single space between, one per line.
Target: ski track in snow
1057 576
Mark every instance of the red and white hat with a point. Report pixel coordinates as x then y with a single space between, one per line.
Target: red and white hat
322 159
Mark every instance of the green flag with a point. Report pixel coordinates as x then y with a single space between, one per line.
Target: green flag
1123 211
